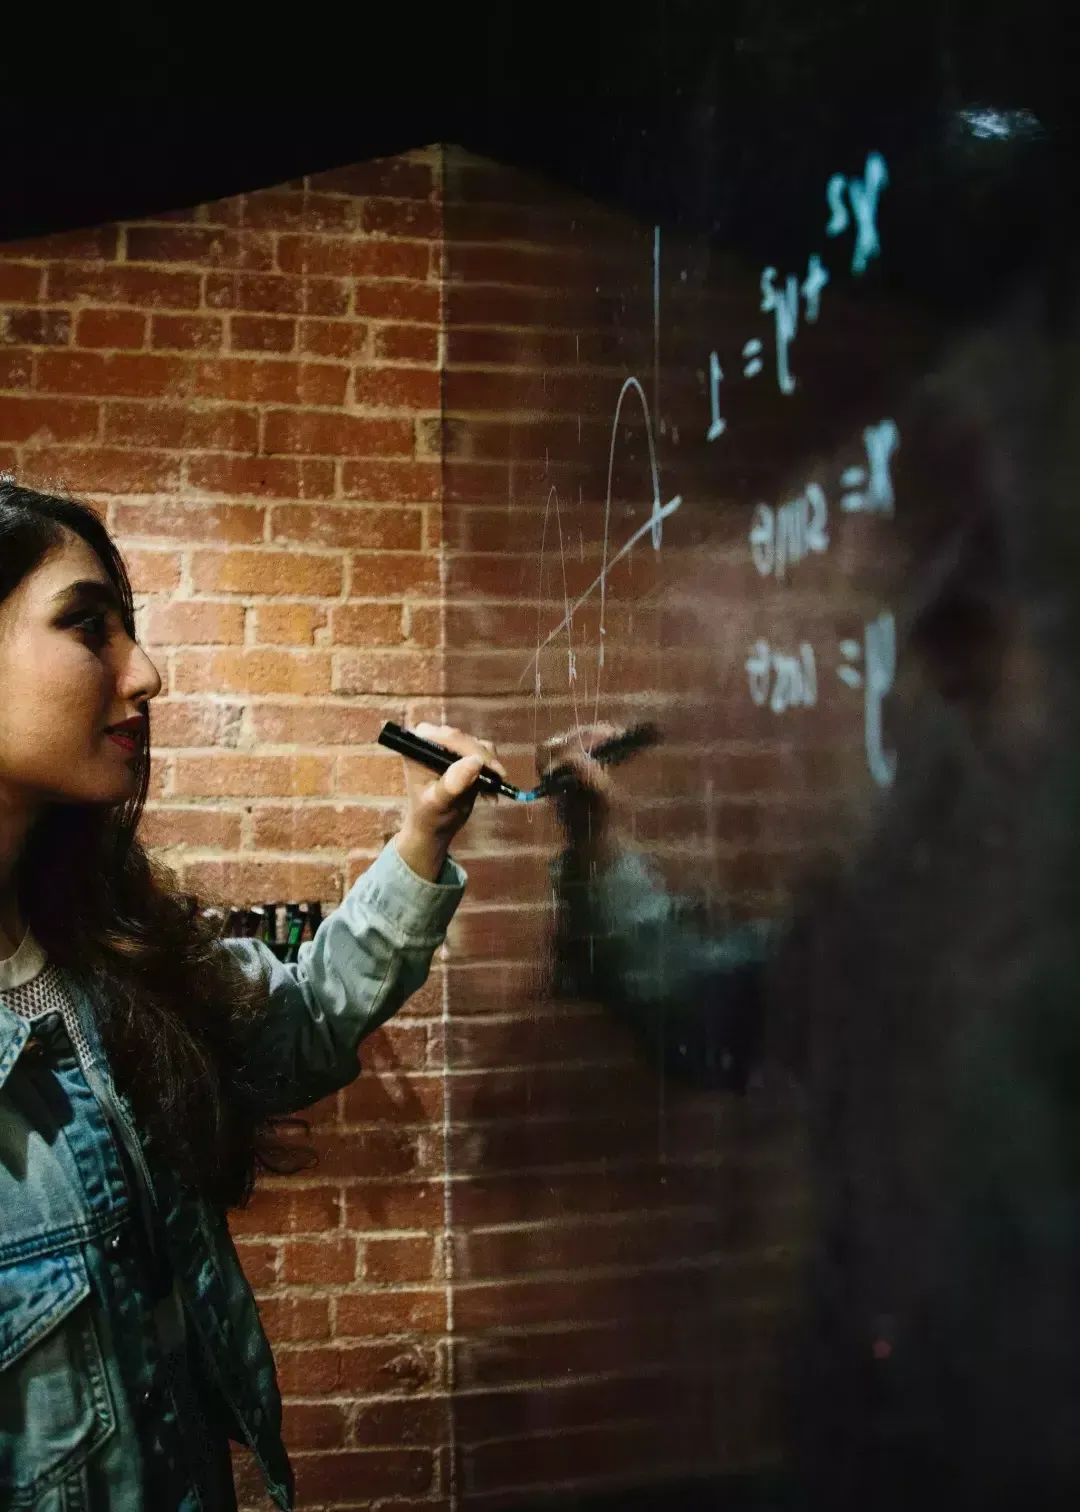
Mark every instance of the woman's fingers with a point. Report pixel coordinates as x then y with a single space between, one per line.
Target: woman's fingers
437 809
452 794
587 773
458 779
574 749
462 744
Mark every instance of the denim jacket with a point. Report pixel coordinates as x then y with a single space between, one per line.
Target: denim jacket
78 1351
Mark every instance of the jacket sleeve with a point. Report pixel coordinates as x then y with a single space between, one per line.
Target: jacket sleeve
693 994
367 958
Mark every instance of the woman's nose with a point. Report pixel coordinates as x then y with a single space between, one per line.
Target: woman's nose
141 680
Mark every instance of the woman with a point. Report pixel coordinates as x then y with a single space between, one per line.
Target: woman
143 1060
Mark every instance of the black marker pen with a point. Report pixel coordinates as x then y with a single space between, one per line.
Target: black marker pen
438 758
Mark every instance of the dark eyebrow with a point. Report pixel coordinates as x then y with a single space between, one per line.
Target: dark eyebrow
88 591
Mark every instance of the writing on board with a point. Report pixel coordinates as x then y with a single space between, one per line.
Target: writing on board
653 527
877 653
781 537
717 425
862 194
784 305
871 487
782 679
851 202
786 680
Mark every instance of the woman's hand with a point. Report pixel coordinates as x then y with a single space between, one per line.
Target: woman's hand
582 798
438 807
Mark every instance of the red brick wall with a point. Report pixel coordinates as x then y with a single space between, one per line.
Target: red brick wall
325 421
249 390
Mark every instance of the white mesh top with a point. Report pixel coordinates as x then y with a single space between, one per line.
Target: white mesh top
33 988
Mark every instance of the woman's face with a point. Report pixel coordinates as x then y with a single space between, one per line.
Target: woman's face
68 671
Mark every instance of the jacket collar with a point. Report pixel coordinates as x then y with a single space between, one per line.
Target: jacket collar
14 1032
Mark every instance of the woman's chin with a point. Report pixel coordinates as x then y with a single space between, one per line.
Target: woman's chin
129 783
114 787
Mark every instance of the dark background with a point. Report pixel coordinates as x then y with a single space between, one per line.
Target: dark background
725 118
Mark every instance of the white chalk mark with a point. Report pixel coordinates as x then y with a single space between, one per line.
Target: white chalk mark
553 498
864 194
752 350
793 678
880 672
780 538
718 425
599 581
763 539
652 526
816 278
852 651
817 526
880 441
796 680
878 653
656 322
784 303
759 671
990 125
839 220
552 494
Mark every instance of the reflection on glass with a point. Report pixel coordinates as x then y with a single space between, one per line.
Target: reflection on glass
758 1121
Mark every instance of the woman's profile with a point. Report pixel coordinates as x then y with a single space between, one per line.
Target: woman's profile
143 1060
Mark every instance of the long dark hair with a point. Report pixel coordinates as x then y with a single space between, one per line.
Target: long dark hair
175 1010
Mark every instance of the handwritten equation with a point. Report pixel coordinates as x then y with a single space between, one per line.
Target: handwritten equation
853 204
788 680
784 535
780 536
